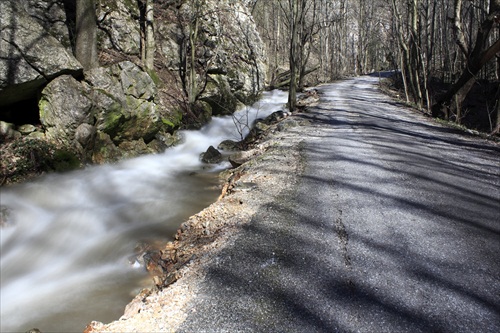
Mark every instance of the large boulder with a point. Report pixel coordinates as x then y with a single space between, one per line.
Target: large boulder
112 113
242 157
54 16
29 56
64 105
124 98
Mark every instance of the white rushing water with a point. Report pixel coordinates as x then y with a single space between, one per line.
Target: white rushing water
66 246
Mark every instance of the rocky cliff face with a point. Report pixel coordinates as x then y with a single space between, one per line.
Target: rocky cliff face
209 59
29 55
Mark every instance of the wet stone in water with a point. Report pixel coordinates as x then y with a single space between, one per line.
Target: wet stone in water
211 156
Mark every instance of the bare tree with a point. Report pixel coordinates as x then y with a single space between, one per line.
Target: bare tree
294 14
192 47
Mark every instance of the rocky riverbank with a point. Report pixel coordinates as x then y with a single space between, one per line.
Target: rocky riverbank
57 115
273 161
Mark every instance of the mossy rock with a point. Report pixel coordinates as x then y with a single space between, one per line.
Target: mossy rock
205 112
65 160
25 158
105 150
111 122
172 121
144 122
154 76
134 148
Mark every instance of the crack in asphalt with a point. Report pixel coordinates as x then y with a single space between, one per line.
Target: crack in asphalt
343 236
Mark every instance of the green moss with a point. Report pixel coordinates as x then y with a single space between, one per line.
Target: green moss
43 106
154 76
112 121
172 121
167 122
65 161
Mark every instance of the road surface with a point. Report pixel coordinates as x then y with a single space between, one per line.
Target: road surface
393 227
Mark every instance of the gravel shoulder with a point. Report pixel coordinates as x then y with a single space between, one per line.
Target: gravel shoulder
273 169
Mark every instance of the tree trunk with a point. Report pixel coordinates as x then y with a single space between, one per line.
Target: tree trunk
294 20
458 29
150 46
497 128
86 34
193 37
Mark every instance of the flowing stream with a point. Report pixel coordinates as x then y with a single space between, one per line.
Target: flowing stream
68 245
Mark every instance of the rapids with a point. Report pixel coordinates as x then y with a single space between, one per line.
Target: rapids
67 249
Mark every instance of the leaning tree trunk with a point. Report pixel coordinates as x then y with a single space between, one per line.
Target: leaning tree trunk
479 56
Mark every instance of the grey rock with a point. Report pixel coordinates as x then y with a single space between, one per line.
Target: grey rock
29 55
275 117
167 139
5 216
51 15
219 93
134 148
64 105
156 146
34 330
241 157
6 129
124 102
105 150
37 136
26 129
261 127
135 82
229 145
211 156
286 124
85 134
119 26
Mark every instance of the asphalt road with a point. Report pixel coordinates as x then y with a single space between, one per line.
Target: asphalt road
393 227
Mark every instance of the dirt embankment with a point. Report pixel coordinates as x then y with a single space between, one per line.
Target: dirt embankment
178 269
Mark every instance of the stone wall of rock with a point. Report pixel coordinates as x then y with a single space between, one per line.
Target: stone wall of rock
119 110
119 27
230 55
30 56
